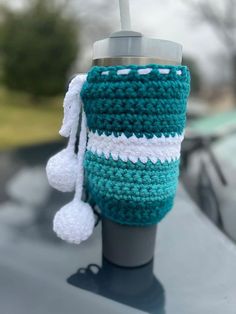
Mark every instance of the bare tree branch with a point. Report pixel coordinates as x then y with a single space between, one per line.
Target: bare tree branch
223 22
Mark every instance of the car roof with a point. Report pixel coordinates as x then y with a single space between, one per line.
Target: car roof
193 270
215 125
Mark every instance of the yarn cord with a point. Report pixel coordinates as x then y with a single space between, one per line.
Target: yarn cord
74 128
81 150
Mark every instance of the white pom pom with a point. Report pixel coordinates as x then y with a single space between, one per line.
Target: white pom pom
62 171
74 222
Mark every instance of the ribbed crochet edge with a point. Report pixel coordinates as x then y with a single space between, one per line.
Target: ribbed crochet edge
160 214
112 72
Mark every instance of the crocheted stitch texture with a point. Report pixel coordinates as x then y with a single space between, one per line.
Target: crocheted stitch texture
136 118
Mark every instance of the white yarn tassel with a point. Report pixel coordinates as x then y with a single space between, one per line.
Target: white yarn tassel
71 108
62 168
75 221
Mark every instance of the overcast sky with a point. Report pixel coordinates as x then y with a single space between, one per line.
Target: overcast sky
174 20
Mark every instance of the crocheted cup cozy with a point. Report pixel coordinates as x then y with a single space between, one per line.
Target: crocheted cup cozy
136 119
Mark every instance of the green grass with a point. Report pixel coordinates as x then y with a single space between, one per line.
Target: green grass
24 121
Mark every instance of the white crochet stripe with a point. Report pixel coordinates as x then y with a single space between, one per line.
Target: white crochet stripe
135 149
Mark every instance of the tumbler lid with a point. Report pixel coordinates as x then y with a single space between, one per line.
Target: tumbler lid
128 43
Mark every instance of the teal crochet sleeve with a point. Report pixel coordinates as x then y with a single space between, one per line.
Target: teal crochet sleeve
136 118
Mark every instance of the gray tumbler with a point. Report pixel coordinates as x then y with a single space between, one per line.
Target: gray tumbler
125 245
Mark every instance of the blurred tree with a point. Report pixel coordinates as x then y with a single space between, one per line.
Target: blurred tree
221 16
38 46
195 74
